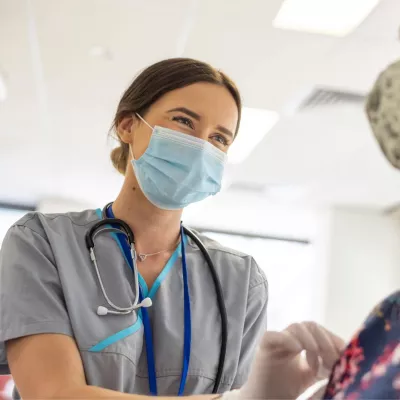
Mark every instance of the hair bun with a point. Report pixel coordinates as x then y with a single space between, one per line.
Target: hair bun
119 158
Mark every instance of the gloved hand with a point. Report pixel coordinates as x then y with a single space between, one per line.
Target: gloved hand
280 371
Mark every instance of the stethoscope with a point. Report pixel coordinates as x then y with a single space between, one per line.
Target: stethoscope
111 224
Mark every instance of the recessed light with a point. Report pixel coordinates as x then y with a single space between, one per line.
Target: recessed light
255 124
3 88
329 17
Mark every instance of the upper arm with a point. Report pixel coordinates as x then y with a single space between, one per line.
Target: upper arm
32 305
45 365
255 323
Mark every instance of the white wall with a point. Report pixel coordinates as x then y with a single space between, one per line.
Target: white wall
61 205
254 213
361 253
357 252
296 277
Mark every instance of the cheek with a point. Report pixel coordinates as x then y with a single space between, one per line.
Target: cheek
173 125
140 142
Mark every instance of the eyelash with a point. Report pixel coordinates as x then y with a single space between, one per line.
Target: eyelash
224 142
189 123
185 121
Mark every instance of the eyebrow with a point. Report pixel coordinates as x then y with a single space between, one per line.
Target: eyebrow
226 131
198 118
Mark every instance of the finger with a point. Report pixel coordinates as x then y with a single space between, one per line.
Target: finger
310 362
323 372
319 348
313 361
339 343
303 336
280 344
326 346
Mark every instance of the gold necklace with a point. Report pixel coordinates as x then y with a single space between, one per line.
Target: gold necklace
142 256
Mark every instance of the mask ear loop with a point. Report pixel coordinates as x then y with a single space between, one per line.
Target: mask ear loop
143 120
131 152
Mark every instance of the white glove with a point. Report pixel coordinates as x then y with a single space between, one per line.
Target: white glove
280 371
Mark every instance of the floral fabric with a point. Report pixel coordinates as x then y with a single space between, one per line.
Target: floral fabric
369 368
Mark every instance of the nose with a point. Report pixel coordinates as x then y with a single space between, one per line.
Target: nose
204 132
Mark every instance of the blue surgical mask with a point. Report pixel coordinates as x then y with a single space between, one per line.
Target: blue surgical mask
178 169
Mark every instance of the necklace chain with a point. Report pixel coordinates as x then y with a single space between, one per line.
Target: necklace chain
142 256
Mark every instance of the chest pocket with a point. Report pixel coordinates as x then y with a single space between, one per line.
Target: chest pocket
112 362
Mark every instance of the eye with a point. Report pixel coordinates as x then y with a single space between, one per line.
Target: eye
221 139
184 120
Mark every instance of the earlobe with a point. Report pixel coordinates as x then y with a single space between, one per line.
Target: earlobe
126 128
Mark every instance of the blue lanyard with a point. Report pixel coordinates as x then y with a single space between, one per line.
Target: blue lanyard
148 335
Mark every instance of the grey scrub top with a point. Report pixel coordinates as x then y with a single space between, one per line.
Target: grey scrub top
48 285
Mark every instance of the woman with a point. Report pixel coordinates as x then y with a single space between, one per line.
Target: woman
67 325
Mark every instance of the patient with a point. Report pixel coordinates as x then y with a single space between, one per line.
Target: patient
369 367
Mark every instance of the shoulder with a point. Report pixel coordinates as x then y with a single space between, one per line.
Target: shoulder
242 263
35 240
41 224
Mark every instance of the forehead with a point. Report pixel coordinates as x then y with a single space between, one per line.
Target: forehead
214 103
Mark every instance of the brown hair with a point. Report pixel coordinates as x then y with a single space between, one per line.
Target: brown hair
157 80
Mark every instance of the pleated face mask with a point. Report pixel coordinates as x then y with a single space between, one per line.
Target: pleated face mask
383 111
178 169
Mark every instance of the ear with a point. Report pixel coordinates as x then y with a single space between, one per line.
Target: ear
125 129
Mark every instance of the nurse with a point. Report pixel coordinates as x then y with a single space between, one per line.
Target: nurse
63 329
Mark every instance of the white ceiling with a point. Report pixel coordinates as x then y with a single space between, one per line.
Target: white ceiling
61 99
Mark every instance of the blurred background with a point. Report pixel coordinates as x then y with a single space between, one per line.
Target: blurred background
307 191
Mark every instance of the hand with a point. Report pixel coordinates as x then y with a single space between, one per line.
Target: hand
280 371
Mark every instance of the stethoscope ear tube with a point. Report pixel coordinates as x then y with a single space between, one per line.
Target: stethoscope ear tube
124 229
221 306
89 237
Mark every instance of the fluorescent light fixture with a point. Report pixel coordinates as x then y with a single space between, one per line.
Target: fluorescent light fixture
3 88
329 17
254 125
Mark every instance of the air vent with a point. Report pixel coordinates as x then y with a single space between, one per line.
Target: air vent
247 187
324 97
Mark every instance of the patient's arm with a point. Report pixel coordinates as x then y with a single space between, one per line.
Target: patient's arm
369 367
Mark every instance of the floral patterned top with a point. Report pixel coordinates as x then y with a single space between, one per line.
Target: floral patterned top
369 368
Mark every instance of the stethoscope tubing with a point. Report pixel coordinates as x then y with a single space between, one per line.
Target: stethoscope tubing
126 230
